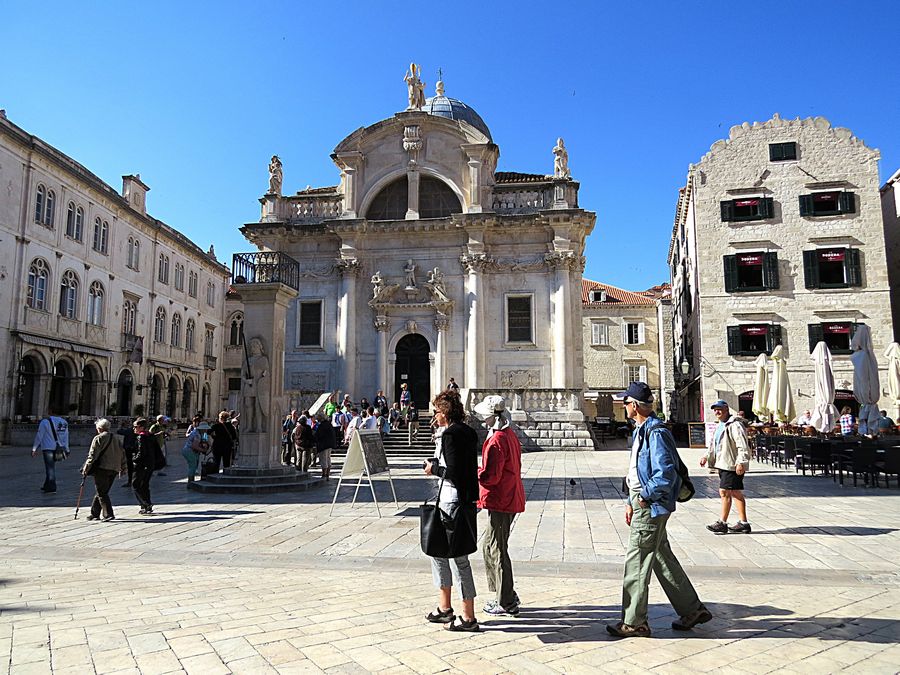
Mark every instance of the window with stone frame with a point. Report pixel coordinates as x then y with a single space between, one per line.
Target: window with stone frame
38 279
746 272
832 268
129 316
95 304
519 318
599 334
133 257
753 339
179 277
747 208
192 284
74 221
44 206
100 240
68 295
635 372
837 335
210 294
827 203
189 334
163 269
236 334
159 325
782 152
210 344
175 340
436 199
309 323
633 333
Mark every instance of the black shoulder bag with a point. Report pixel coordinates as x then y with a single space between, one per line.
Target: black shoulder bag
448 536
59 453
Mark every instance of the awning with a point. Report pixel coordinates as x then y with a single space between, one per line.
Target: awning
60 344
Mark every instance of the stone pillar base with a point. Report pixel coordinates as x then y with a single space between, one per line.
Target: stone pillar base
238 480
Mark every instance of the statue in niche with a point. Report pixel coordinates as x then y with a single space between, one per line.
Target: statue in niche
415 86
560 160
436 285
255 400
275 176
410 269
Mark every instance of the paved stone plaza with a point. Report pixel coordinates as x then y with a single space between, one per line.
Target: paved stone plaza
271 583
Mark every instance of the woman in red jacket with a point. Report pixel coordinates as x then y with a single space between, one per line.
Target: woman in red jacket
502 493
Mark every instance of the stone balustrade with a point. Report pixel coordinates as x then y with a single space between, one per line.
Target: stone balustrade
517 199
531 400
312 208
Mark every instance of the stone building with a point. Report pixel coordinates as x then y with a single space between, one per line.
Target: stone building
426 263
106 309
778 239
890 211
624 335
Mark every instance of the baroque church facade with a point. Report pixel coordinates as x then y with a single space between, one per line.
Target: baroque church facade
426 263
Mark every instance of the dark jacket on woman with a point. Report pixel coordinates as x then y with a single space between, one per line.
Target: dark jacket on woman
223 438
145 449
459 446
325 437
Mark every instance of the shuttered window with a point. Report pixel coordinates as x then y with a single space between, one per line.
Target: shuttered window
753 339
827 203
751 208
599 334
836 334
780 152
751 272
832 268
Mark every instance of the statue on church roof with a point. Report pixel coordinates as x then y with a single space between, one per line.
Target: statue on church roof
410 269
416 87
275 176
561 160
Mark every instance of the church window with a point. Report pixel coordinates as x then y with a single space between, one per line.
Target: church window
633 333
391 203
519 325
780 152
309 324
436 199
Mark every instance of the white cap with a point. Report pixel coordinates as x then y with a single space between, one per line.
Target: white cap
491 405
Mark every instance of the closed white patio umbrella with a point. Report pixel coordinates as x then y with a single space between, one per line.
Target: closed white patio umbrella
781 400
893 374
866 385
825 413
761 388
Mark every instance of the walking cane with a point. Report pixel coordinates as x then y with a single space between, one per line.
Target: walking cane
80 495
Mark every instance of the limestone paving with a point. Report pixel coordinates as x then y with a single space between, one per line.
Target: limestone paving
271 583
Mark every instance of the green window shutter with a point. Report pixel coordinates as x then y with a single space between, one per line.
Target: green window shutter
847 202
766 207
731 273
727 211
816 335
734 340
806 205
773 338
770 271
852 267
811 269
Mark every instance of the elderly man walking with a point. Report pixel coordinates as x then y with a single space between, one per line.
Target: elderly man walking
502 493
653 484
105 461
729 452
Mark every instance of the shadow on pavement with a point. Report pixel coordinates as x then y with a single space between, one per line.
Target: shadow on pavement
836 531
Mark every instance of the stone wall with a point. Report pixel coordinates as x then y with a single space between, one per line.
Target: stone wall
890 211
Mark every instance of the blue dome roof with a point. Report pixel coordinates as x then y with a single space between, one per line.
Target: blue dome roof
453 109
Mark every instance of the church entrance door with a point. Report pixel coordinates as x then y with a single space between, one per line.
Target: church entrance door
414 368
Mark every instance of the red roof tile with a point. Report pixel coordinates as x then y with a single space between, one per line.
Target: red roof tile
613 295
516 177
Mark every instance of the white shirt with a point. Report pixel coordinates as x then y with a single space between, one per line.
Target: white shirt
632 480
368 423
449 494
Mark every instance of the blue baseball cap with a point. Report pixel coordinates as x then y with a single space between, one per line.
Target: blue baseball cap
719 404
638 391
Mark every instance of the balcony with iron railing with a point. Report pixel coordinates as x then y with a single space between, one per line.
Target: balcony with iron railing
265 267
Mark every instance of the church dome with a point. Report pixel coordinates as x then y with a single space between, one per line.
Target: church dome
453 109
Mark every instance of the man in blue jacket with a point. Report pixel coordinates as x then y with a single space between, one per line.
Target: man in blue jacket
653 483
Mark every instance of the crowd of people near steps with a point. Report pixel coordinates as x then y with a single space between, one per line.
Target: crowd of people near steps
491 480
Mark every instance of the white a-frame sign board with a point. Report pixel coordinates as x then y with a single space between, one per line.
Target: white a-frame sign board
365 459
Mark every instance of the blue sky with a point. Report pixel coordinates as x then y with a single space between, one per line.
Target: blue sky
197 96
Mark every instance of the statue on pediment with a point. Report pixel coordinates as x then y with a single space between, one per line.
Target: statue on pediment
275 176
382 292
410 269
415 86
561 160
436 285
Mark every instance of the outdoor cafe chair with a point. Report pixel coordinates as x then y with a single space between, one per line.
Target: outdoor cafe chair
889 465
817 454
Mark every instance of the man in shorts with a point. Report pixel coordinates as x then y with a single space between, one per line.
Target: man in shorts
729 452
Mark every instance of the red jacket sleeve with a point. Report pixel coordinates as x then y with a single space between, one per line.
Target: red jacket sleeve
493 459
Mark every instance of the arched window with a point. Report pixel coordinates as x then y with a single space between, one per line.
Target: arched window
50 209
38 278
189 335
210 294
159 326
236 336
163 272
192 284
95 304
391 203
74 221
436 199
129 317
208 349
179 277
40 202
101 235
68 295
176 330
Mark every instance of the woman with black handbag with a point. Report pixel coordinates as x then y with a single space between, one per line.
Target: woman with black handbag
449 526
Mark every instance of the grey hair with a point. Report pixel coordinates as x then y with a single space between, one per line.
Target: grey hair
102 424
644 407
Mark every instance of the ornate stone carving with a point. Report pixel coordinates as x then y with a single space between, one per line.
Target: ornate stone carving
560 160
411 326
382 323
304 381
381 292
435 286
348 266
441 322
476 262
563 260
412 142
410 270
275 176
320 272
520 379
415 87
255 394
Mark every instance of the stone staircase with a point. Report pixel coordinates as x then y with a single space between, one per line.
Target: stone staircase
236 480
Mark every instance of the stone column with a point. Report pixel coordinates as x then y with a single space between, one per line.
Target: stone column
350 164
474 327
346 346
412 211
560 324
441 325
265 309
382 326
